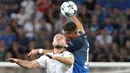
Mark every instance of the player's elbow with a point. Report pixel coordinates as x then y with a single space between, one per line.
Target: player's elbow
70 62
32 65
27 67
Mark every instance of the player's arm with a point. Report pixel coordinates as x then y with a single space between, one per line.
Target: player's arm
68 59
25 63
78 24
65 60
39 51
44 51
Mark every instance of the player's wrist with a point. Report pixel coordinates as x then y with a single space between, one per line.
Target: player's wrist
40 51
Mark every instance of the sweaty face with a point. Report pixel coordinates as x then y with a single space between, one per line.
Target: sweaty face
59 40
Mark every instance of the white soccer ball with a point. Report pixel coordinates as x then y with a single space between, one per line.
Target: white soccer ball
68 8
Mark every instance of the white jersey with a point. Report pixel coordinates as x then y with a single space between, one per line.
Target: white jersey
54 66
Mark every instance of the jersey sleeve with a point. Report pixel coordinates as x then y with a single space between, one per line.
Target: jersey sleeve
42 61
75 44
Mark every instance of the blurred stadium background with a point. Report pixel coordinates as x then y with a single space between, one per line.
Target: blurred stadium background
30 24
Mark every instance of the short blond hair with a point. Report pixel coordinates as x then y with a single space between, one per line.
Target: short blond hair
59 39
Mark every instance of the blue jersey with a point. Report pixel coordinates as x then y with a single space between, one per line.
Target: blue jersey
79 47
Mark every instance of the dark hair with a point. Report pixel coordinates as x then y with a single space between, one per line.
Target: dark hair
70 27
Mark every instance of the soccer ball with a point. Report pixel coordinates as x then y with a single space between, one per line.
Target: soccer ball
68 8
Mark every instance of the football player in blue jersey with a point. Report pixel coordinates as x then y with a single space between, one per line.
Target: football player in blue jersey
77 45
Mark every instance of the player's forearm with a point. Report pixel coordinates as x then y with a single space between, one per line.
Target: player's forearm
24 63
78 24
68 61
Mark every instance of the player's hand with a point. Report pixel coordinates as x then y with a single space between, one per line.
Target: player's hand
13 60
32 53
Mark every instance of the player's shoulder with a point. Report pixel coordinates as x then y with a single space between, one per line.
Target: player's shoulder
77 39
81 36
66 53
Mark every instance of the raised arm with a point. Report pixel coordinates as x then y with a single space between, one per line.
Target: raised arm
78 24
68 58
39 51
25 63
65 60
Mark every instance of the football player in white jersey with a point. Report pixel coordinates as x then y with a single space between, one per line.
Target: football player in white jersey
58 61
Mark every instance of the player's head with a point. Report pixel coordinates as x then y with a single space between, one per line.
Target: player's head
70 30
59 42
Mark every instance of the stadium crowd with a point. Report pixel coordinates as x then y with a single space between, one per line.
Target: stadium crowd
30 24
